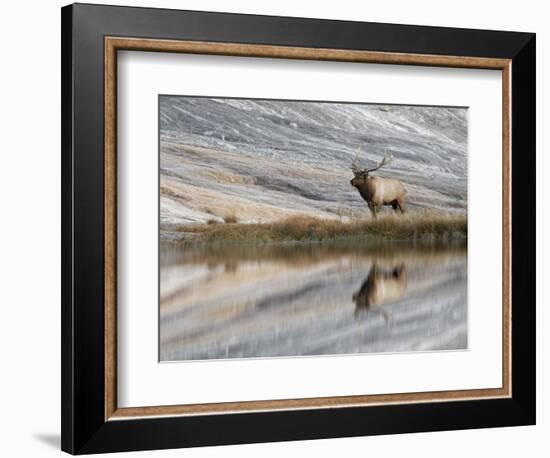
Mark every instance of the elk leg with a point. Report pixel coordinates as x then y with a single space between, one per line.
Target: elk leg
395 205
401 205
372 208
375 210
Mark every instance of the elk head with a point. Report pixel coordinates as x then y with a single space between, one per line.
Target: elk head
361 175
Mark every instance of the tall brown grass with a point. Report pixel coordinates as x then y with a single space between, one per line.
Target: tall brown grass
411 226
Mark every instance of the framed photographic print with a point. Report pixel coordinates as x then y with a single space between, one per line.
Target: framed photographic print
281 228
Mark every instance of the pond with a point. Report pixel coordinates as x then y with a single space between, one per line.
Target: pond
239 300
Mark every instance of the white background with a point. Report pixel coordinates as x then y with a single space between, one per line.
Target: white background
142 381
30 233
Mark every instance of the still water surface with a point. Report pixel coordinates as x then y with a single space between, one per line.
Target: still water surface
241 301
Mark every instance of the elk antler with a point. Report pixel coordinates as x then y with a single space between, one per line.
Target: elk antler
387 159
355 165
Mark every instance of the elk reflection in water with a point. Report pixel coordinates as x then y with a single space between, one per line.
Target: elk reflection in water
381 287
241 301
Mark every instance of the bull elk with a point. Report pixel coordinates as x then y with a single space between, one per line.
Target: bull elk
378 191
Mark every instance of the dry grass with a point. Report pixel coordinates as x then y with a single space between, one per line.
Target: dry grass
411 226
228 178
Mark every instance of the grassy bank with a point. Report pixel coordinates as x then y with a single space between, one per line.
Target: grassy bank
411 226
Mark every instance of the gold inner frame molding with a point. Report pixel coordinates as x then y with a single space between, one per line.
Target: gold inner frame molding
114 44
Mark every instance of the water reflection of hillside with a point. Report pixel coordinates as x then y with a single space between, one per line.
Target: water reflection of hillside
237 300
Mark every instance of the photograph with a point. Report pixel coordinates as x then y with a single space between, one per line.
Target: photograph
275 230
305 228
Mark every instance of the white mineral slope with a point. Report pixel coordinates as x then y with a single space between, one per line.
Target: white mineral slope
260 160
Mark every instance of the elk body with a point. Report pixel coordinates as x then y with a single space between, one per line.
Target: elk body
378 191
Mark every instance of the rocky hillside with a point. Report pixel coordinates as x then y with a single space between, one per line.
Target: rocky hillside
261 160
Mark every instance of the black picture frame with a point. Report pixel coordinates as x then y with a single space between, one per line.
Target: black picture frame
84 428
